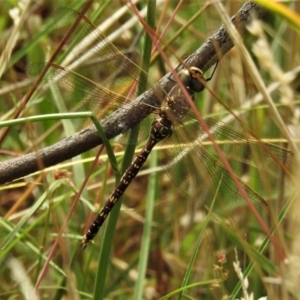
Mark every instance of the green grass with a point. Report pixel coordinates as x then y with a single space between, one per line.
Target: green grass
165 245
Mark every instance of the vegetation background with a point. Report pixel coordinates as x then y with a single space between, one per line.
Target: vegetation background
179 225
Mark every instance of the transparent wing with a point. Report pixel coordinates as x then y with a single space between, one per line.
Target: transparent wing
112 77
197 169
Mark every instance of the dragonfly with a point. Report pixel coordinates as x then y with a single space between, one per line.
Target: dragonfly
175 123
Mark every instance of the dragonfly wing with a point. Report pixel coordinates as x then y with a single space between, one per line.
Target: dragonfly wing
198 170
105 79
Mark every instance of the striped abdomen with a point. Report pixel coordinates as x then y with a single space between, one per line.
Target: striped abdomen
160 128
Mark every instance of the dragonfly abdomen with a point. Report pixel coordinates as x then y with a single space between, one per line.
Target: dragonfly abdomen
161 128
173 110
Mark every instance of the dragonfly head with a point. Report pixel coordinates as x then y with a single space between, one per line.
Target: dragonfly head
192 79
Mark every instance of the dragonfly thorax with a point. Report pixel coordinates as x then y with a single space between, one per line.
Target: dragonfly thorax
176 105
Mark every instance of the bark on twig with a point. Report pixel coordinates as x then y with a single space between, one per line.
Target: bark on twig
213 49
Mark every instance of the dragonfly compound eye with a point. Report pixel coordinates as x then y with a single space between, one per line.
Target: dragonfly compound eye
196 84
191 79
